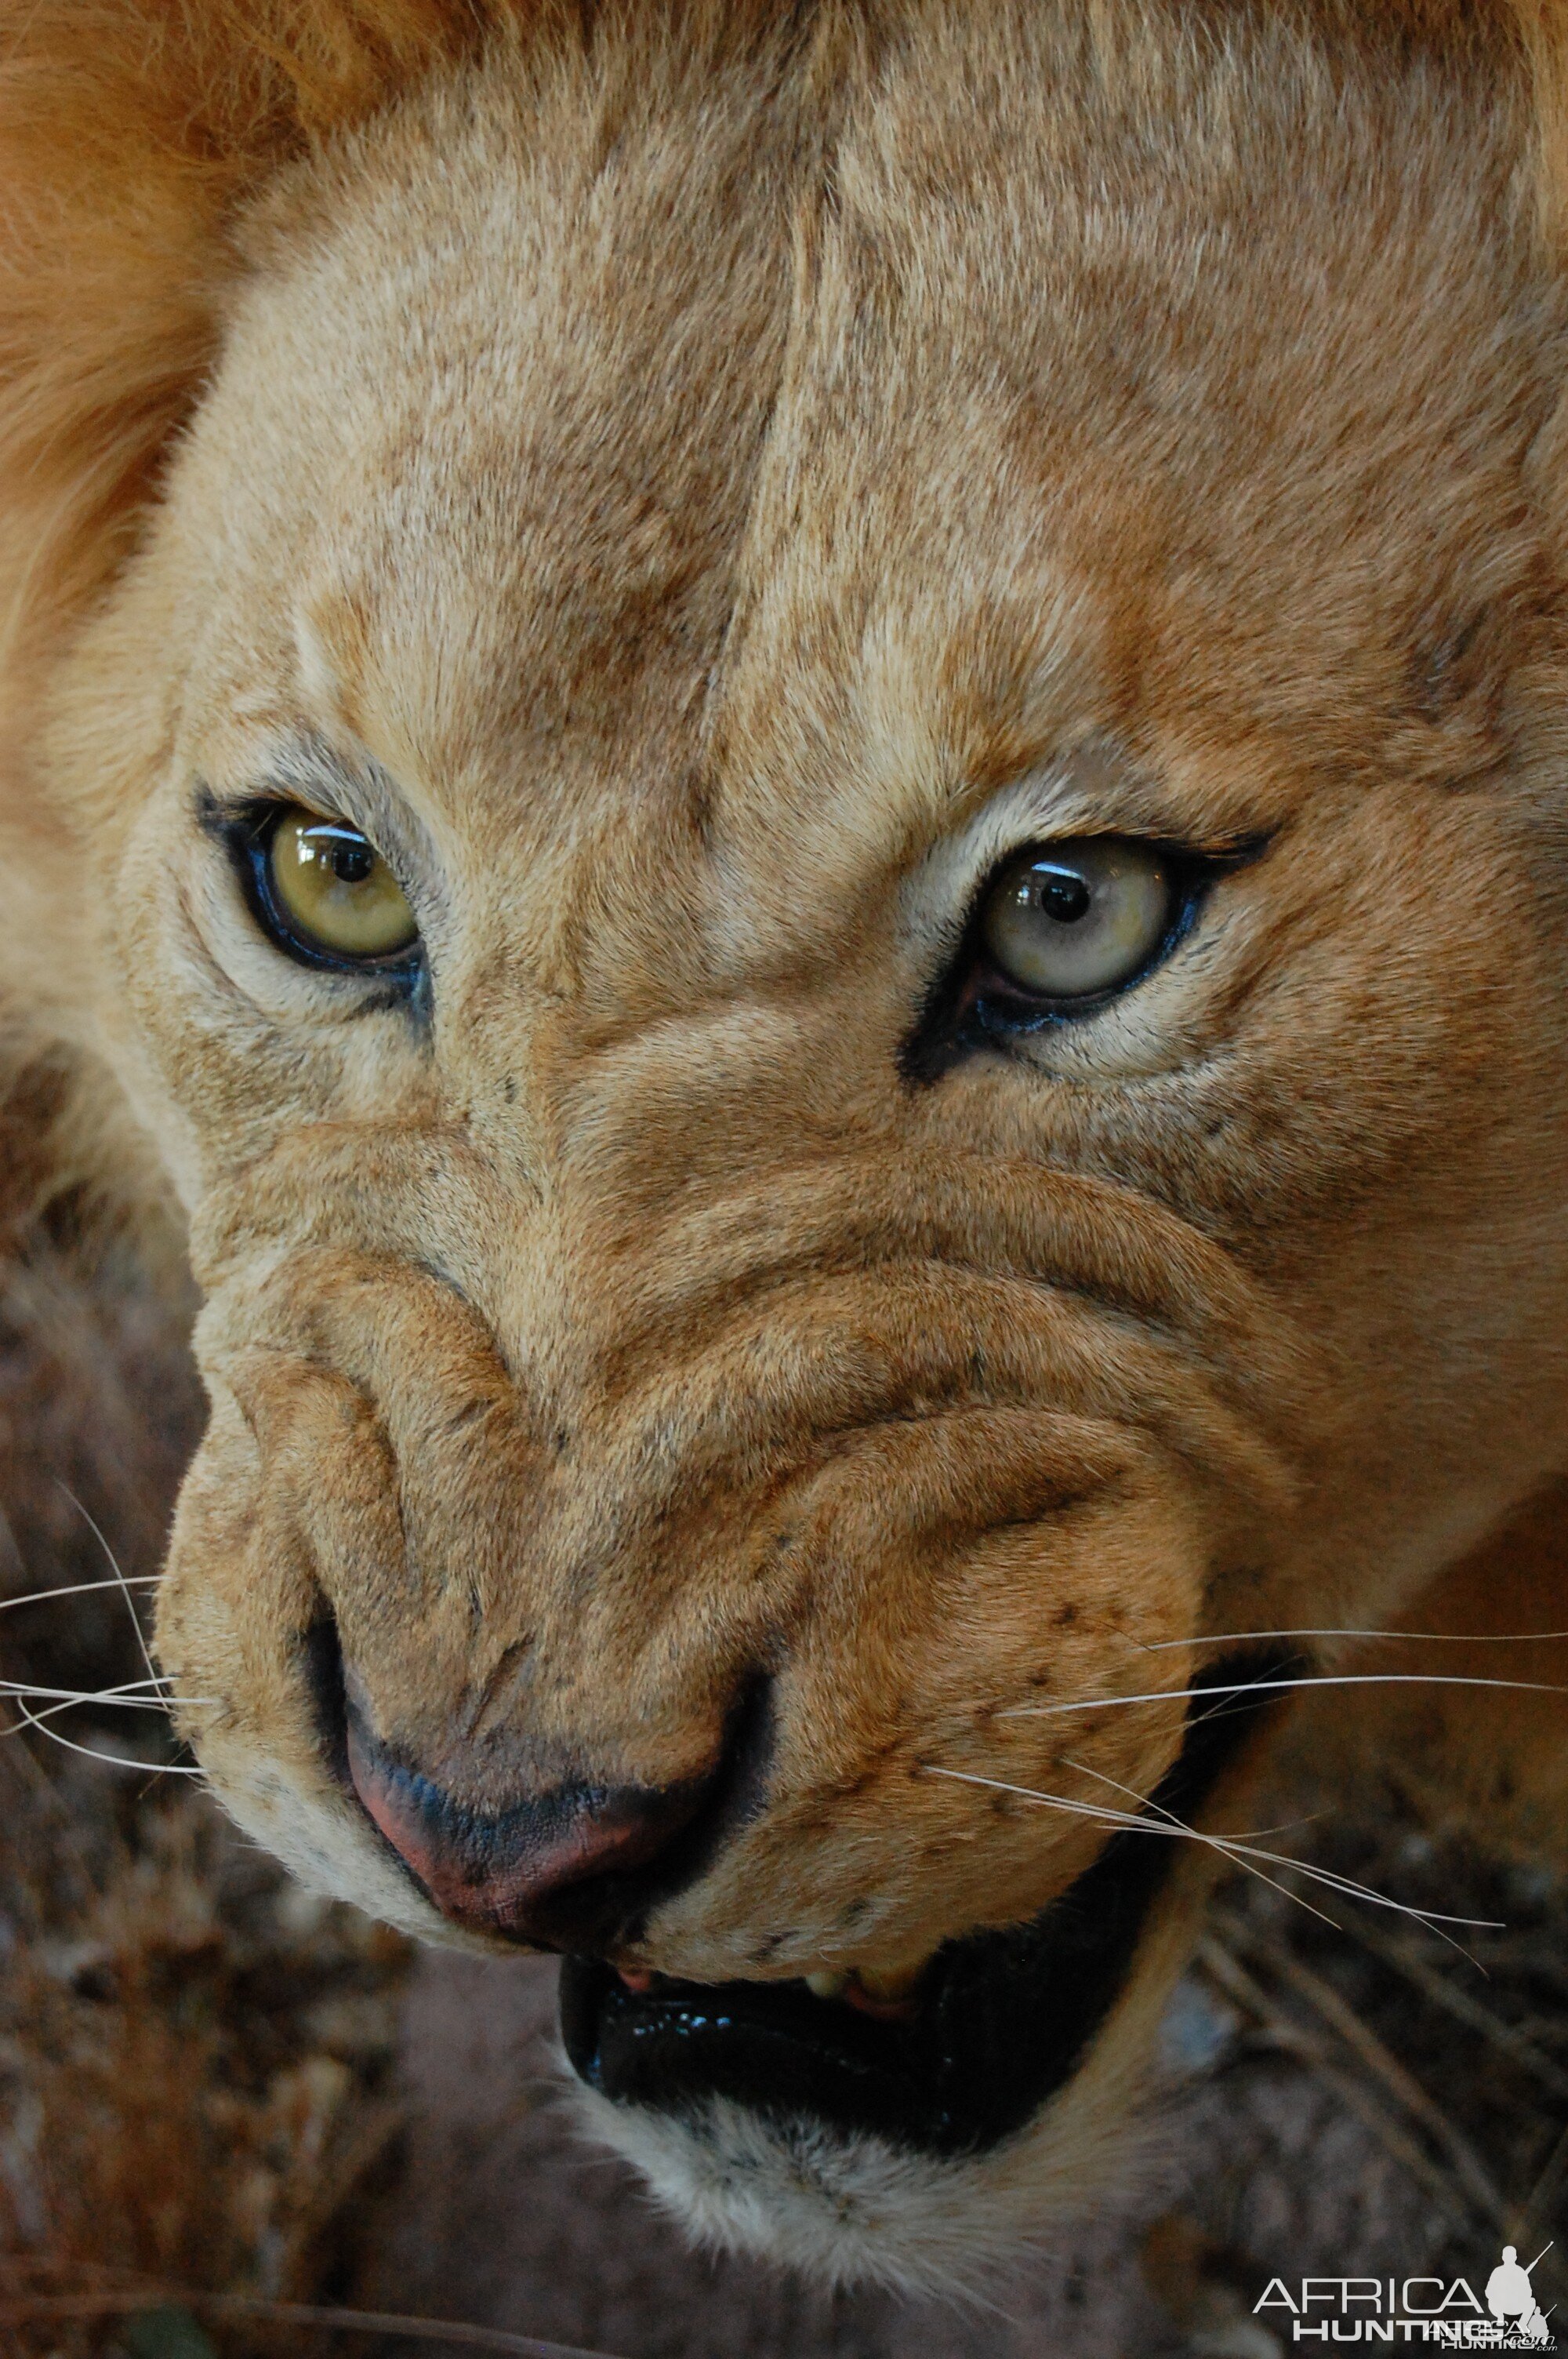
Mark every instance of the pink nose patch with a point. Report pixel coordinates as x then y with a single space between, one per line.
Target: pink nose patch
522 1872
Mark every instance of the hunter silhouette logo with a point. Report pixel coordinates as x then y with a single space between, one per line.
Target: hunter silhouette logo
1511 2301
1418 2309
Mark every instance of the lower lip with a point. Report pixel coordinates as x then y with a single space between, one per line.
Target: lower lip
1000 2021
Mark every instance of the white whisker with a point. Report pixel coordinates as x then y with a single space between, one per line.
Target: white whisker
126 1691
1331 1881
75 1703
1269 1687
113 1563
1131 1822
1220 1843
115 1760
1233 1847
1428 1637
80 1589
1055 1801
1432 1920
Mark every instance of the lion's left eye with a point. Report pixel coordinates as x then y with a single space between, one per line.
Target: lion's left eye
325 890
1071 921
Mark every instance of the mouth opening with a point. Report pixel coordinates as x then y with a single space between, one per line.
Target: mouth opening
1002 2018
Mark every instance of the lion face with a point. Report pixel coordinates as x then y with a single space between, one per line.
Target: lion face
735 1334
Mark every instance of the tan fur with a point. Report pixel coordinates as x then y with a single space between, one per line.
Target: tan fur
703 482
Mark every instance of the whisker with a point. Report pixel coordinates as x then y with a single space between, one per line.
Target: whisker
1266 1687
80 1589
1131 1822
1233 1846
1217 1842
127 1690
115 1760
1286 1826
75 1703
1428 1637
1431 1920
54 1711
1055 1801
1332 1880
121 1581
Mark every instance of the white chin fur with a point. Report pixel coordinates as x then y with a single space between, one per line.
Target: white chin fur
851 2208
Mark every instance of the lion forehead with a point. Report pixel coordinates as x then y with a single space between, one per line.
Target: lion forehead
670 382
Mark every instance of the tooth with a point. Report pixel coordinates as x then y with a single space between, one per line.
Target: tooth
889 1986
827 1986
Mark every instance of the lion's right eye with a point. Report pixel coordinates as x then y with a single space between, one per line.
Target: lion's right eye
323 891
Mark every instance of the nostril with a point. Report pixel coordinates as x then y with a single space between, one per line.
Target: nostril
538 1871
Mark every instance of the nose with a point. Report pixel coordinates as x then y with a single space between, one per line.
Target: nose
555 1868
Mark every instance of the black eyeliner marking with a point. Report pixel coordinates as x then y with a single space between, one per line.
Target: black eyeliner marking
212 817
244 830
970 1007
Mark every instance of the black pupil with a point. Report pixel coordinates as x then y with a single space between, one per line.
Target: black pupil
1058 895
349 861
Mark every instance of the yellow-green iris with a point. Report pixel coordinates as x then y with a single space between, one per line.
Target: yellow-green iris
1072 919
335 890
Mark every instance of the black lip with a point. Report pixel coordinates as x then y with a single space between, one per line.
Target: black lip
1004 2017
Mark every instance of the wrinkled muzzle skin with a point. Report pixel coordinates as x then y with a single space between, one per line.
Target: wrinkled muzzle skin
696 1426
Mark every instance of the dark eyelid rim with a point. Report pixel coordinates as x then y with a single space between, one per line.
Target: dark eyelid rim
305 771
953 1023
243 829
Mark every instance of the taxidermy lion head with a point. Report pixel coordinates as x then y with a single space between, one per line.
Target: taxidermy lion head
803 766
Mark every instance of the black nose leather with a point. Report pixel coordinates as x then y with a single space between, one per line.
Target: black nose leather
556 1869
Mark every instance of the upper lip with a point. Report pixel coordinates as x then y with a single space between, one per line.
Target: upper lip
1003 2017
